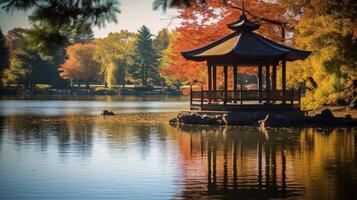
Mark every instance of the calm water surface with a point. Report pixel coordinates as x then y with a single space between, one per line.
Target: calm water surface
91 105
71 160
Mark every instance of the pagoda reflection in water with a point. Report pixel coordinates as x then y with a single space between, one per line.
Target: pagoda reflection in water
245 164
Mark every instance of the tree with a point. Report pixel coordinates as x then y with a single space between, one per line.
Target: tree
204 23
83 34
161 41
15 39
329 30
113 52
81 64
54 19
4 53
145 58
28 68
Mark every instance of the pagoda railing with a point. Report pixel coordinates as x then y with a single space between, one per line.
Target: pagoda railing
241 97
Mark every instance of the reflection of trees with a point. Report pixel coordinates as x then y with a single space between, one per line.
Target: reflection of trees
76 136
2 128
144 137
24 132
244 163
70 135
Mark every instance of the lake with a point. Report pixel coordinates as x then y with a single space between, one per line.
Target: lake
44 159
90 105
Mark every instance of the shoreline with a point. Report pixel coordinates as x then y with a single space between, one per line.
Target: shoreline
121 118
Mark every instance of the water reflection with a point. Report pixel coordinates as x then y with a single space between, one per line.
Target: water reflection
277 163
157 161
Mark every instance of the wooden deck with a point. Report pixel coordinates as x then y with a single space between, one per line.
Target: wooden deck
244 100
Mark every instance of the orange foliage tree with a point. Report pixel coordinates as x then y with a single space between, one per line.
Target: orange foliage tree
203 24
80 65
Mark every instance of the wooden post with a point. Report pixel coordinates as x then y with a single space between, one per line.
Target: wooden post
209 70
267 83
299 96
260 82
214 81
241 92
292 97
201 96
273 80
283 80
225 73
190 96
235 83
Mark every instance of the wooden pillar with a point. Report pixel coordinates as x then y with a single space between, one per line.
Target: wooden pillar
292 97
283 79
214 77
299 96
201 96
267 83
209 70
214 81
225 88
273 83
260 82
241 92
191 96
235 83
273 78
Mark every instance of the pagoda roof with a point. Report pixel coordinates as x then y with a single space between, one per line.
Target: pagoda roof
244 46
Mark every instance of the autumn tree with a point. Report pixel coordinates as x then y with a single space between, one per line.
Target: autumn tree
329 30
145 58
207 22
81 64
114 54
4 53
15 40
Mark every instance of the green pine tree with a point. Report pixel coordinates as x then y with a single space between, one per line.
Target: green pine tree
145 58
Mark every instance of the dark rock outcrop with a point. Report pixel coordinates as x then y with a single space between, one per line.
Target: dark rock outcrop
263 119
325 117
107 113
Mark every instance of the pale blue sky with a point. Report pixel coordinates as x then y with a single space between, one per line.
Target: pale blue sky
134 14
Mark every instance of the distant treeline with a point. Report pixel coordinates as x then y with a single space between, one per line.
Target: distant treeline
120 58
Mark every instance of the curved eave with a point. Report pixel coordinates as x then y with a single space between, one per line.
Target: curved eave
238 45
245 45
294 54
193 54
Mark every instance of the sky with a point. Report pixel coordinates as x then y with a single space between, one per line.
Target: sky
134 14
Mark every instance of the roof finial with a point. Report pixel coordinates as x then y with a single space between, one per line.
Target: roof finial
243 8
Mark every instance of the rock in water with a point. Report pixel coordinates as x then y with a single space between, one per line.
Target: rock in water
107 112
207 119
327 114
325 117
